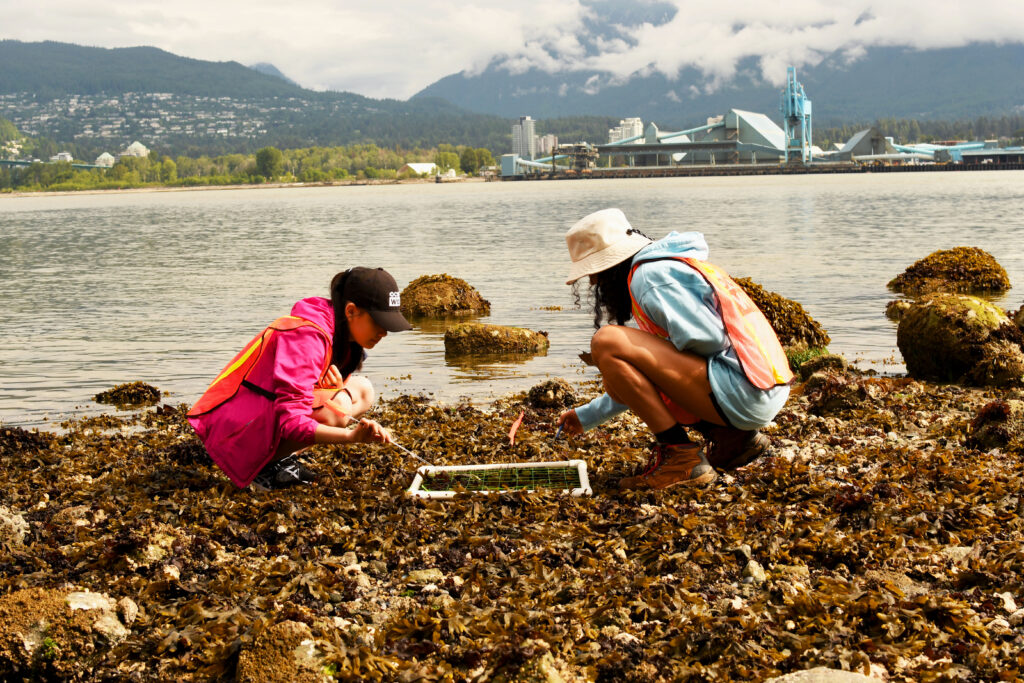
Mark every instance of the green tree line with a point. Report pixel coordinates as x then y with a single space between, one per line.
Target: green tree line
1008 129
306 164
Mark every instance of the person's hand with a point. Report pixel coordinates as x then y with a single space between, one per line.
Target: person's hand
570 422
370 431
331 379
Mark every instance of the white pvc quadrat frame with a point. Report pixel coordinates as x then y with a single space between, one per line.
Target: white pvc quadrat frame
580 466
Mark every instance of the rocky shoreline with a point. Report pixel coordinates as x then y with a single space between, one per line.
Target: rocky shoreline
874 540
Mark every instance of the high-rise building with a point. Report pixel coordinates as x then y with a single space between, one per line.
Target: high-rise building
546 144
627 128
524 141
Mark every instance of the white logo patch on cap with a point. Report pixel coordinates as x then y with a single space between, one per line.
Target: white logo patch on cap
395 299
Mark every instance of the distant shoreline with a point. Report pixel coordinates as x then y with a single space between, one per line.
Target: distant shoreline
240 186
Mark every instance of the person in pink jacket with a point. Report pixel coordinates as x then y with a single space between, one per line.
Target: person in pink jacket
293 385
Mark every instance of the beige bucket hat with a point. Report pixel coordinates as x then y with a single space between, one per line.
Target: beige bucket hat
601 240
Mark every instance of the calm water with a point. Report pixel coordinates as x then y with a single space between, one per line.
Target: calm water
165 287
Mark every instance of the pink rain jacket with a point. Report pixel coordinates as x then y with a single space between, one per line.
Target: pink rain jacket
242 434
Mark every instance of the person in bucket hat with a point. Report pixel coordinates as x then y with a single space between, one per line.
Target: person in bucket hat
294 385
701 355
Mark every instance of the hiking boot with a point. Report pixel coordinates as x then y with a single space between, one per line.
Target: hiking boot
672 465
280 474
729 448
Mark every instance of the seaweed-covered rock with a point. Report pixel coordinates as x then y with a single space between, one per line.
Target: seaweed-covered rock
478 338
555 393
130 394
18 440
827 361
832 393
960 269
999 424
959 338
442 295
793 325
1018 318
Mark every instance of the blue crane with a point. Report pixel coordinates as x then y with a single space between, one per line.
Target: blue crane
796 118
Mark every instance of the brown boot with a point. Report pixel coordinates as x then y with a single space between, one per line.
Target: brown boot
729 448
683 465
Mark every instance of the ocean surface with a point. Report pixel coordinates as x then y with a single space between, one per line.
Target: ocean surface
165 287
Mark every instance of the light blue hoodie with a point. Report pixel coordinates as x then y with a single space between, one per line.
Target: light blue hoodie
679 300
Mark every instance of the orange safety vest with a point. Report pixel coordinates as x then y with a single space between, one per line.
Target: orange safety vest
234 375
757 346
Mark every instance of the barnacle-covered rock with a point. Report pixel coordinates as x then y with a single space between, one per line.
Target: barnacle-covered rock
283 652
554 393
478 338
960 269
13 527
959 338
55 633
130 394
999 424
822 674
792 324
442 295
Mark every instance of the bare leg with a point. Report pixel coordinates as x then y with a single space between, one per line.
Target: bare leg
353 401
637 365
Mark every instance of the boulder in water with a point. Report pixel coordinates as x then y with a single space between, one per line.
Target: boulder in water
442 295
960 338
956 270
477 338
130 394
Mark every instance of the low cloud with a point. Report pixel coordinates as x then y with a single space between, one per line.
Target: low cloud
394 48
715 37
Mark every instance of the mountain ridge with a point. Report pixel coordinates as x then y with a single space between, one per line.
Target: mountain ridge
941 83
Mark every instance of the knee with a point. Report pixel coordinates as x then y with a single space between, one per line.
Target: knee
362 393
606 341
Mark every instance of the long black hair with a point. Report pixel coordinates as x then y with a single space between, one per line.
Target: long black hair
346 354
611 294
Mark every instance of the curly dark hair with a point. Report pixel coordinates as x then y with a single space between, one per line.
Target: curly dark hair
611 294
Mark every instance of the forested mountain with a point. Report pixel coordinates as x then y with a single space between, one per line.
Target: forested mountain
886 82
51 69
90 100
103 98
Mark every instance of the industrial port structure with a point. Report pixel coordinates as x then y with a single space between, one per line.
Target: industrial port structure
743 142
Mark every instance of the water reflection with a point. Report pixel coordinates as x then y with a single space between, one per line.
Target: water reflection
165 287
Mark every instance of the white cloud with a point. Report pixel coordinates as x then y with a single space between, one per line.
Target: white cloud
393 48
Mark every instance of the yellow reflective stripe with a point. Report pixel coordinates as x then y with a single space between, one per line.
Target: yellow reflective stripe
241 359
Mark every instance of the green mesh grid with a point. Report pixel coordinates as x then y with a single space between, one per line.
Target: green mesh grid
504 479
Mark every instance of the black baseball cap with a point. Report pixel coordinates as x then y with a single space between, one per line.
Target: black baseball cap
374 290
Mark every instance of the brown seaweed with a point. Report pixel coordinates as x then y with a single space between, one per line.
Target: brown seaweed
872 539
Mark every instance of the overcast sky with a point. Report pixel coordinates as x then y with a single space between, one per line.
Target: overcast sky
394 48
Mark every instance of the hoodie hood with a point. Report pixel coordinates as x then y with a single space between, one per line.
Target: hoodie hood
318 310
675 244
